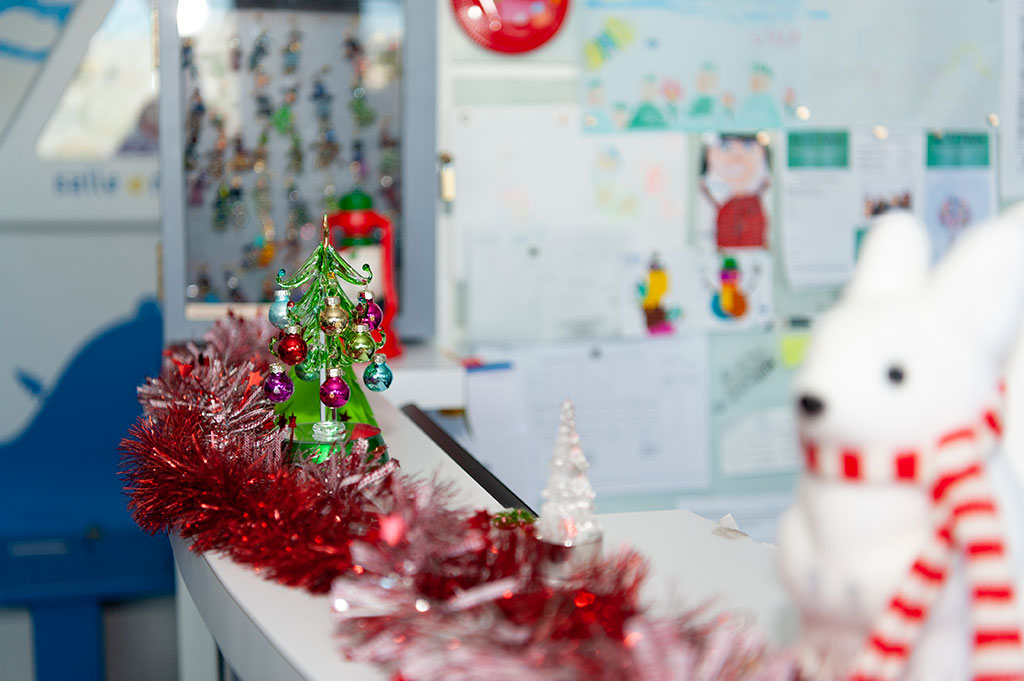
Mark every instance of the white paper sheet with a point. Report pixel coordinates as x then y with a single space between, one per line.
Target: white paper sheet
641 412
691 65
760 442
498 419
1011 127
522 168
517 167
723 64
902 62
542 284
826 207
889 168
635 183
818 241
543 216
666 291
960 186
734 168
955 199
756 514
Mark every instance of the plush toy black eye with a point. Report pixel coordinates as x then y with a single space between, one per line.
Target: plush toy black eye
896 374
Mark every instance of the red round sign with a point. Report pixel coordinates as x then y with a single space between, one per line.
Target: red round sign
510 26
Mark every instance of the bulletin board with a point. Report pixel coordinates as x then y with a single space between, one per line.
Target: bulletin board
285 111
658 248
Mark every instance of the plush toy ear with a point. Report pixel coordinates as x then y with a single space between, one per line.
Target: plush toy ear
980 282
893 259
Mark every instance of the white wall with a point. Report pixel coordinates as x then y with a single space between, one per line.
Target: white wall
60 287
468 75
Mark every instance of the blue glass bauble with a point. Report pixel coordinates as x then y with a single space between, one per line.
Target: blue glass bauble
377 376
278 312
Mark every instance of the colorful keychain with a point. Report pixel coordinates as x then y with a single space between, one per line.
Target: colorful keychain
260 48
264 106
283 118
362 113
298 212
197 189
388 164
326 149
215 165
236 203
295 154
221 207
233 284
358 163
188 62
292 52
321 97
193 126
240 160
259 154
235 53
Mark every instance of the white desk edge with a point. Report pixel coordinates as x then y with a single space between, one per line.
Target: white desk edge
269 631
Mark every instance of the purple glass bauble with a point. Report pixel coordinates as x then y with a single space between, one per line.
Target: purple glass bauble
334 392
372 315
278 387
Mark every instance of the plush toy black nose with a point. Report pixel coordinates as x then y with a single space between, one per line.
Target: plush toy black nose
811 405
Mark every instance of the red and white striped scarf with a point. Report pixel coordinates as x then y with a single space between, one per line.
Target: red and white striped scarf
966 523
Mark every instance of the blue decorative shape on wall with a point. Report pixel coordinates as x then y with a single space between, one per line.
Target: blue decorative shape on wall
58 14
60 473
32 384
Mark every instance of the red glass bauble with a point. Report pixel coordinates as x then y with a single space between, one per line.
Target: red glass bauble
291 349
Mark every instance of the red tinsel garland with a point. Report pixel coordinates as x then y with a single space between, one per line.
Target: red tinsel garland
419 587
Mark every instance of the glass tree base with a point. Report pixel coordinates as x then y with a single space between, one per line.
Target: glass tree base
328 431
308 444
560 565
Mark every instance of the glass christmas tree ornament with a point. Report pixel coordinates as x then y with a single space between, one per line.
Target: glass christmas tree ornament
333 317
334 391
569 532
306 370
370 313
278 312
277 386
360 346
290 347
377 376
327 357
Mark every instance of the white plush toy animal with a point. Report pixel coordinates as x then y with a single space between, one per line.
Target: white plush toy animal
899 549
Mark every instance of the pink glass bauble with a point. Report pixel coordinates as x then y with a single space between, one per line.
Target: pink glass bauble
369 312
334 391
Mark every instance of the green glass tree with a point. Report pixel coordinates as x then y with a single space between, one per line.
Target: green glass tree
324 333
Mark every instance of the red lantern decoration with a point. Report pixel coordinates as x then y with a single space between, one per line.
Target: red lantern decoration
357 224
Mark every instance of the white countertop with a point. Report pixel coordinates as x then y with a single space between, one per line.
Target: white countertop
427 377
269 631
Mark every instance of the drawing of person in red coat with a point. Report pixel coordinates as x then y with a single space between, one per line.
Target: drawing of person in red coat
735 173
